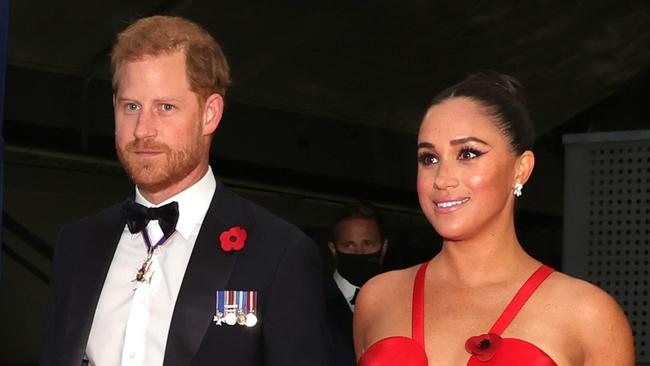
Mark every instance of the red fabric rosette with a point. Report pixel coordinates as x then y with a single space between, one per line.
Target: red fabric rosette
483 346
233 239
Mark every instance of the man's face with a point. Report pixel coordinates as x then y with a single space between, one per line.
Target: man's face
357 236
159 134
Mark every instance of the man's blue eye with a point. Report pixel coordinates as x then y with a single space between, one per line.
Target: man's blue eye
132 106
167 107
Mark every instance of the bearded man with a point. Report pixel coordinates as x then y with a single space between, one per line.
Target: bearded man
187 272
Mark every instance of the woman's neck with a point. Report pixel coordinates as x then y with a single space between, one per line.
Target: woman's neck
490 257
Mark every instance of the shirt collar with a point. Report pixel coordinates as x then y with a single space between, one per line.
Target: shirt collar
193 203
347 289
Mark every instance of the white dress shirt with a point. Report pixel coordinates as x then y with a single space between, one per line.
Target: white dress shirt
132 318
347 289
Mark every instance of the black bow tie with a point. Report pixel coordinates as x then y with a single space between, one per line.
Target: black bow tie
138 216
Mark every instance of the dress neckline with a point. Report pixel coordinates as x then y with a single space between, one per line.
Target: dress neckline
485 349
513 308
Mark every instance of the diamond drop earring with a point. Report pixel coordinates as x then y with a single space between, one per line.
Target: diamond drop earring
516 190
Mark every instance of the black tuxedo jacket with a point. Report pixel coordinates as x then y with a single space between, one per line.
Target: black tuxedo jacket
278 261
339 321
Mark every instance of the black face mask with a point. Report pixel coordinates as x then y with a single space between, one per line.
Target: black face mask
358 268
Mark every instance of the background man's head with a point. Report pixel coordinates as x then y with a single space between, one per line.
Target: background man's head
358 243
357 231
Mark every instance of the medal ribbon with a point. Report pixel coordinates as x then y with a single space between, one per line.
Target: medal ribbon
241 306
220 302
160 243
252 302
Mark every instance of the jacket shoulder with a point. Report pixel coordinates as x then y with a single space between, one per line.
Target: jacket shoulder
105 222
261 219
109 214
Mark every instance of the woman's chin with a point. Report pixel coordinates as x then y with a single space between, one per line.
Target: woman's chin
451 233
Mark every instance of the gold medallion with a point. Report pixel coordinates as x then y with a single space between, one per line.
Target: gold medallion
241 318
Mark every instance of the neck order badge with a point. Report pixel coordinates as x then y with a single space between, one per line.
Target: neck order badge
137 218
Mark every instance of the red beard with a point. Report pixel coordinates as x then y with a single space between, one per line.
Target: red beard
158 173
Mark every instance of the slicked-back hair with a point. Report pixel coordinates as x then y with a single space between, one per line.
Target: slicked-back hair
504 99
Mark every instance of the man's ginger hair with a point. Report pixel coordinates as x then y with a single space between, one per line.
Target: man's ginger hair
206 66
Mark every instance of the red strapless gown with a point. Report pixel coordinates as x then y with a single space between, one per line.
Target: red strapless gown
487 350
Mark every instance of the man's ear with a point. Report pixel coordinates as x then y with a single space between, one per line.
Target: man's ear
332 248
384 248
212 112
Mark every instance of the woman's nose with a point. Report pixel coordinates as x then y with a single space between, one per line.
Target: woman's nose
445 179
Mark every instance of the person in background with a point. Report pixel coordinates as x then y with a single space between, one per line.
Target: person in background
358 245
185 272
483 300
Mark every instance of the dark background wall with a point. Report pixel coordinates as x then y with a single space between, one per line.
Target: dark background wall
4 29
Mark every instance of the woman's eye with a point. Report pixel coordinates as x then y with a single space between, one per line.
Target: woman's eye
469 154
427 159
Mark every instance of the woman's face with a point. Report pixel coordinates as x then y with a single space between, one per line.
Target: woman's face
466 171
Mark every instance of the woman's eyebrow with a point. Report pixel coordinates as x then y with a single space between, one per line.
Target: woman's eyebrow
464 140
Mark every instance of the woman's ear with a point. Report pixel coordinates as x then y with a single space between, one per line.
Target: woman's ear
524 168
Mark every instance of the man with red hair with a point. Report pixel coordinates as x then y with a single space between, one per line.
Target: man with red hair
187 272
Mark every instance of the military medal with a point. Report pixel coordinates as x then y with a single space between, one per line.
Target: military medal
218 314
236 307
241 318
251 308
230 308
241 306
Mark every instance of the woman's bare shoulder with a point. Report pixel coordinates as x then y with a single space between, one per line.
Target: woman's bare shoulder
380 293
374 313
578 293
388 284
595 317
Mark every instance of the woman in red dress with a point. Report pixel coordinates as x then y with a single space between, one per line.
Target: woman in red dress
483 300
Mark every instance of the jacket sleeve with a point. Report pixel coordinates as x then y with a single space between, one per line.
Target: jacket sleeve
295 330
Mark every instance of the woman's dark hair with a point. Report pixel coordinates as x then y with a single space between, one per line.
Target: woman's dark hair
504 98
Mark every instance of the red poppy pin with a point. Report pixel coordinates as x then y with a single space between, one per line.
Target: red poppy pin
233 239
483 346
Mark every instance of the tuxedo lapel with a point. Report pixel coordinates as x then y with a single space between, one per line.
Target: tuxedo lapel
208 270
92 258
